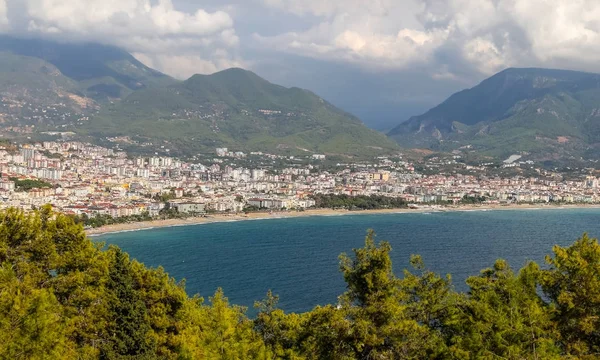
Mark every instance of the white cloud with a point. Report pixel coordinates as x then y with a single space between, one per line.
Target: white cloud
330 8
122 17
484 55
561 29
152 29
370 49
184 66
376 34
454 35
447 38
3 15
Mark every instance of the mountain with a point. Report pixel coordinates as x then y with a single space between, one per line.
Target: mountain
102 92
48 83
238 109
544 113
100 71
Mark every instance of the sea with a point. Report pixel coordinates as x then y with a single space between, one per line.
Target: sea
298 258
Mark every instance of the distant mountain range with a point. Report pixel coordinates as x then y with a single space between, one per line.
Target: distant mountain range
546 114
102 92
236 108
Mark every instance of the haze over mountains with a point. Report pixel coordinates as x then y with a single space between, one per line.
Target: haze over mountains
99 91
96 71
545 113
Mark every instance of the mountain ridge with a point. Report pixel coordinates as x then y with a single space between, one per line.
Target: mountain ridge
544 112
100 92
237 108
93 63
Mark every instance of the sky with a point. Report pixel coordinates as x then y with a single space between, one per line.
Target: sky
383 60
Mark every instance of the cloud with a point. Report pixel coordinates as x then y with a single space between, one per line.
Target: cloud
485 35
3 15
330 8
122 17
151 29
375 50
182 66
448 39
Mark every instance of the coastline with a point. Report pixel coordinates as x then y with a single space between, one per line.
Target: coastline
153 224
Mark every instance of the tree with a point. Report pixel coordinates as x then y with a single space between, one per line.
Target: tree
279 331
503 317
63 297
572 283
431 302
222 331
31 325
379 322
128 329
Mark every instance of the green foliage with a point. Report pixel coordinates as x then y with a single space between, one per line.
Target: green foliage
100 220
64 297
231 332
361 202
28 184
31 325
573 285
380 326
129 327
472 199
164 197
504 317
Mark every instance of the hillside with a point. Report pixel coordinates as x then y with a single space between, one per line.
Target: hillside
99 91
547 114
236 108
46 84
101 71
33 91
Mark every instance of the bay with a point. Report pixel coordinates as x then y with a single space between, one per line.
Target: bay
297 258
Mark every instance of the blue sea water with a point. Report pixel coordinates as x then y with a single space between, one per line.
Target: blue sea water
297 258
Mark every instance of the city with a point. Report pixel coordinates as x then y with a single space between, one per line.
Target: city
87 180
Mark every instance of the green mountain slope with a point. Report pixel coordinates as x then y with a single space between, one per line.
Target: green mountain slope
101 71
100 91
50 85
34 92
548 114
237 109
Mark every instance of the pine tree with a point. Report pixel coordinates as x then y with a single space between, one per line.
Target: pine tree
573 285
128 330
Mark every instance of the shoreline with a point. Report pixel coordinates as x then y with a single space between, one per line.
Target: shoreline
220 218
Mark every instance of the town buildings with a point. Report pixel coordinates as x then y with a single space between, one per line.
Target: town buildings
79 178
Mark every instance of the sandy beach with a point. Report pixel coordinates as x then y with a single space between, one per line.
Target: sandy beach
317 212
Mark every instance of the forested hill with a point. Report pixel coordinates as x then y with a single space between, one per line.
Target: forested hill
99 92
236 108
550 114
64 297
